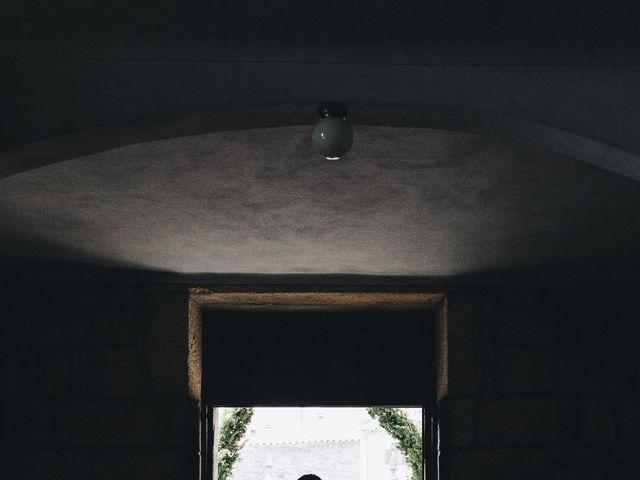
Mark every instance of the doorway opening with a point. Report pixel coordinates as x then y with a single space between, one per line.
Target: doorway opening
315 374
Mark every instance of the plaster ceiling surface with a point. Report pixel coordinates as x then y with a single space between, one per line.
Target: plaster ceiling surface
405 201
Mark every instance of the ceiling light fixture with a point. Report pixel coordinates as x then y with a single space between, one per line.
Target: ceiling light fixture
332 137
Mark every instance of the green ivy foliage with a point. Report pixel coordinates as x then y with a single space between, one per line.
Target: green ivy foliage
231 434
409 438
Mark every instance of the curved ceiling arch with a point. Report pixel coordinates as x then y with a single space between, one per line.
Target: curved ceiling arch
406 201
501 127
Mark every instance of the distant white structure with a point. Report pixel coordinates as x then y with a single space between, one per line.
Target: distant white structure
333 443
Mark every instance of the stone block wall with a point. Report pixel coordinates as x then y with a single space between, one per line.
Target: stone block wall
543 384
335 460
78 395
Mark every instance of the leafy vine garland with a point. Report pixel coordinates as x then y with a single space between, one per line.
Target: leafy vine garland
401 428
231 435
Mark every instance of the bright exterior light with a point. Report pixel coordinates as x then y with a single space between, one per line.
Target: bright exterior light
330 442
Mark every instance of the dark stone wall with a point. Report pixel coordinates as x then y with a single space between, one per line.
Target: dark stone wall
543 384
78 400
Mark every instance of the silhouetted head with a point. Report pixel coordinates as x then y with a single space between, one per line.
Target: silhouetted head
309 476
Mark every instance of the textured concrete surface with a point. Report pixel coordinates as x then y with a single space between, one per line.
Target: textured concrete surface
406 201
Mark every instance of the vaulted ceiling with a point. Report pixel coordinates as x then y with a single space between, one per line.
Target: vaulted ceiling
143 145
